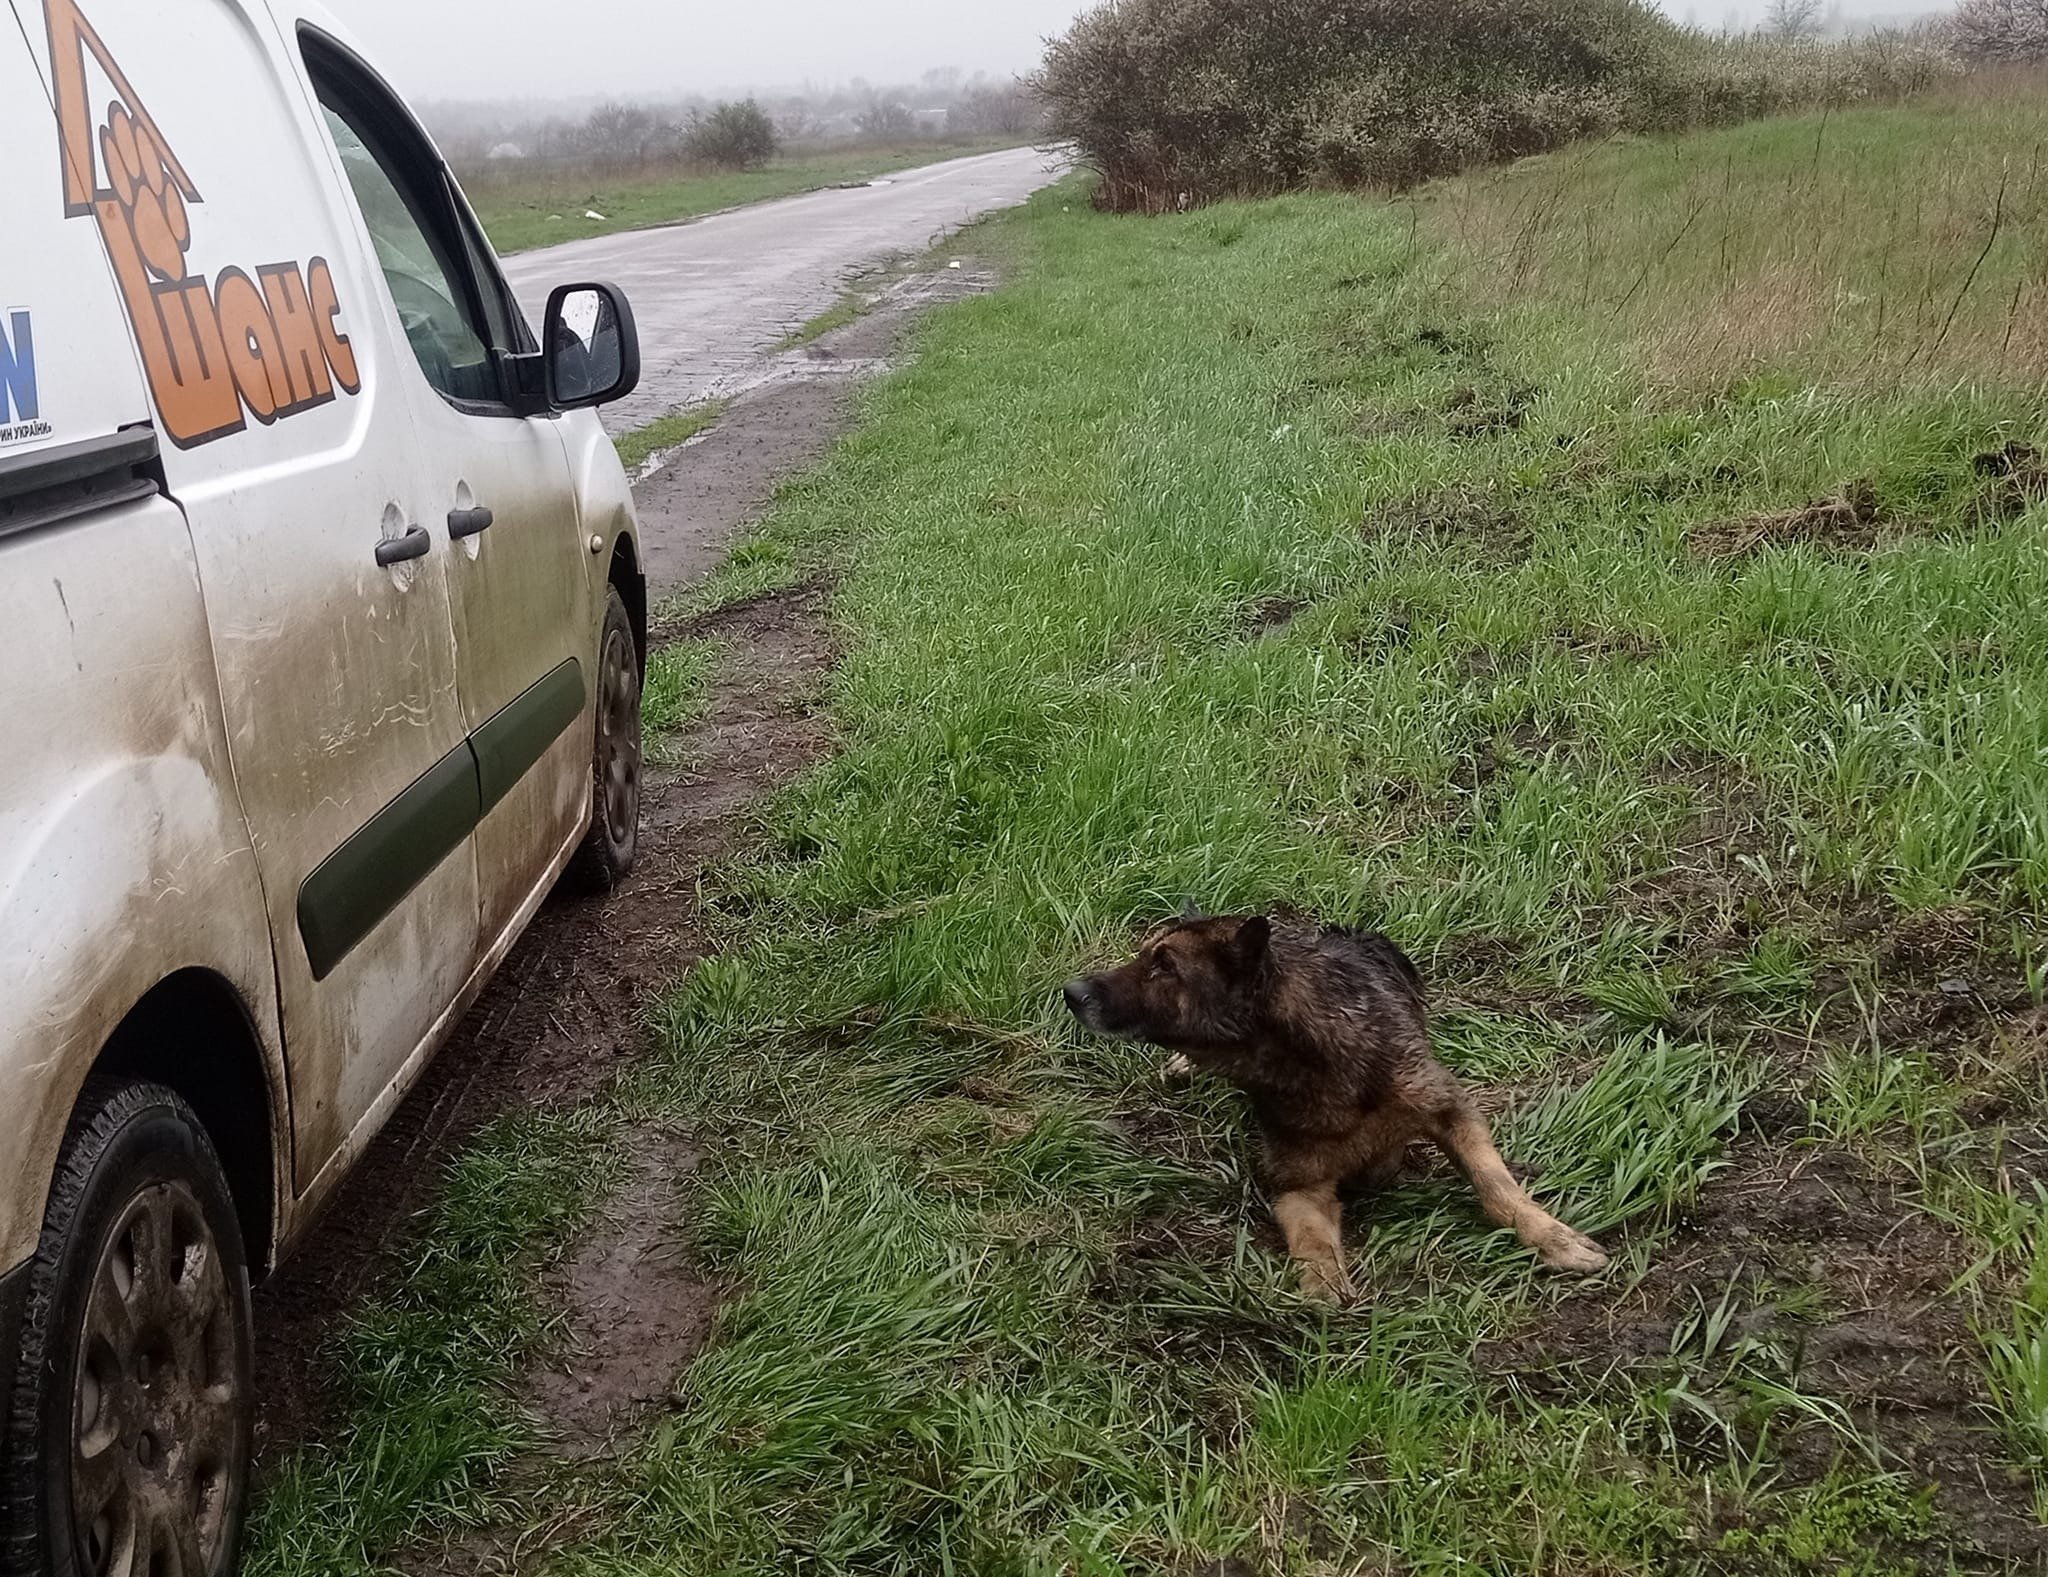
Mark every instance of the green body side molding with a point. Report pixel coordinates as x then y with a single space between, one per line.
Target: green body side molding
361 882
510 743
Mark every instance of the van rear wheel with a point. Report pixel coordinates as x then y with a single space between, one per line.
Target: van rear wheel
129 1441
613 841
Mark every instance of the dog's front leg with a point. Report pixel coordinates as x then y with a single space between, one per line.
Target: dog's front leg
1177 1067
1312 1220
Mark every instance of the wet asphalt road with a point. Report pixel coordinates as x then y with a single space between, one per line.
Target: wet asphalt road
712 296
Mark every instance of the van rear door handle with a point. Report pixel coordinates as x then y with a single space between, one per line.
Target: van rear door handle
467 522
396 550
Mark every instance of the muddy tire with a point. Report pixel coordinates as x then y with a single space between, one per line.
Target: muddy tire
613 841
128 1442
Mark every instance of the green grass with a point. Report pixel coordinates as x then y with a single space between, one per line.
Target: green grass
523 209
666 432
1275 554
677 690
421 1426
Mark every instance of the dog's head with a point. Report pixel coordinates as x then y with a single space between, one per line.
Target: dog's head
1200 981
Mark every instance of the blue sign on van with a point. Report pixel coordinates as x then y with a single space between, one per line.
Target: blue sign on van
21 408
19 404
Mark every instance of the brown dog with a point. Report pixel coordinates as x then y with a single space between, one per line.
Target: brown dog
1326 1031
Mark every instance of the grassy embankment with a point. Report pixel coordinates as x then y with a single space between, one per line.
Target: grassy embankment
527 208
1618 576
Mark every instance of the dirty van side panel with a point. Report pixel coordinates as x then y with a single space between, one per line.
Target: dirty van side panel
123 857
266 356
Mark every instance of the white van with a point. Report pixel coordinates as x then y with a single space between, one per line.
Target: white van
323 632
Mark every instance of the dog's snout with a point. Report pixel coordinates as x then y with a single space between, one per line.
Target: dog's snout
1079 990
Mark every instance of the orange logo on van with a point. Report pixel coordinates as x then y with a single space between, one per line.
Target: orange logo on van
215 354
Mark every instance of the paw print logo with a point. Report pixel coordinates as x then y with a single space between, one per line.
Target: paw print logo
143 182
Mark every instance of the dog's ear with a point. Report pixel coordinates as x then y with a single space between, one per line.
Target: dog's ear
1189 913
1249 947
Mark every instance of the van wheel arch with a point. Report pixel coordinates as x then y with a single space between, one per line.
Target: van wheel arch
626 578
193 1034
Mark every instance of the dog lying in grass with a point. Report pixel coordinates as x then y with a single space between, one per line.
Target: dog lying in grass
1326 1031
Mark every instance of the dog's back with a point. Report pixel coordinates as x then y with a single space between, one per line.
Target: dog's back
1374 957
1353 997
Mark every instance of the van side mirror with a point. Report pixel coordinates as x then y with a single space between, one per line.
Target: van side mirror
590 348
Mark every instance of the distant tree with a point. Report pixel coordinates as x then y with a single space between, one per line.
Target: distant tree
797 122
1001 109
733 136
2000 32
1790 19
886 120
617 133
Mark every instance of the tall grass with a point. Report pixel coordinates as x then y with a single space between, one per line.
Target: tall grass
1858 247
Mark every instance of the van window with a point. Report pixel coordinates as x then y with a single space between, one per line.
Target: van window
427 290
508 324
450 296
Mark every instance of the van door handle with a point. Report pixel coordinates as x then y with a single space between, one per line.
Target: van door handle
396 550
467 522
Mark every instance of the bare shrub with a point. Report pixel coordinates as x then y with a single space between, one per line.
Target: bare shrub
1790 19
886 120
2000 32
626 135
1007 109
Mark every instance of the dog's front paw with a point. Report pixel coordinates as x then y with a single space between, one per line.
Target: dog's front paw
1177 1067
1574 1252
1326 1283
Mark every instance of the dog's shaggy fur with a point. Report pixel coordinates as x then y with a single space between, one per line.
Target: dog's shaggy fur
1326 1031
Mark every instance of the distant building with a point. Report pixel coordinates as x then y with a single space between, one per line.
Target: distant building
506 150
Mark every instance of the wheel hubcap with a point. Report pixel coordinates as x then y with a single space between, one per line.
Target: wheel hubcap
157 1405
618 737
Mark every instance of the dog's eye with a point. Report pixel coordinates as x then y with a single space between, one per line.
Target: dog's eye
1164 966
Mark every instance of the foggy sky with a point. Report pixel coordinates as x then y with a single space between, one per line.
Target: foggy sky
494 49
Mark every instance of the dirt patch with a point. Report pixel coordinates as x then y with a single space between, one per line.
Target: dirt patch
1851 518
2015 479
1591 645
1488 413
638 1310
1268 615
2011 481
1482 520
1836 1283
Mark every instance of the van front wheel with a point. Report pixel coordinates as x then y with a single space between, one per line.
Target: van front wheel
129 1441
613 842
